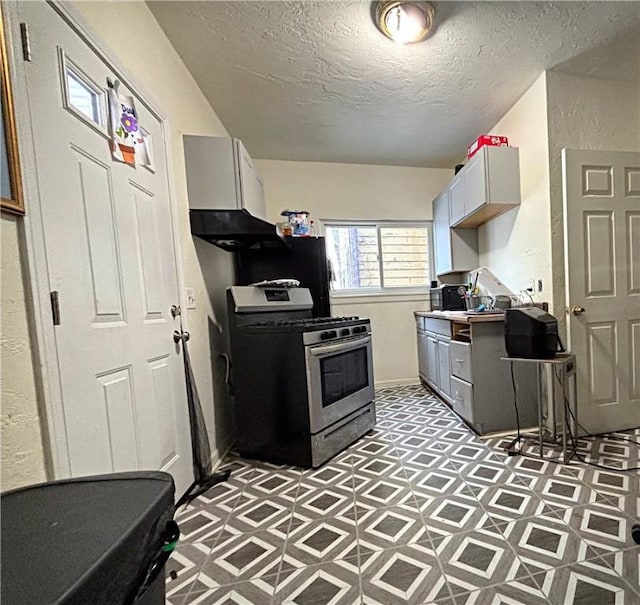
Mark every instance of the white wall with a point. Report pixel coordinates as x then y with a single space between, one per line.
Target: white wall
558 111
353 191
140 46
22 454
584 113
516 246
395 358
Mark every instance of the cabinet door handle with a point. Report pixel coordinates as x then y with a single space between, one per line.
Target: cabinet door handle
459 360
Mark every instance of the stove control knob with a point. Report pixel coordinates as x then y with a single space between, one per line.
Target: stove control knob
345 332
333 334
325 335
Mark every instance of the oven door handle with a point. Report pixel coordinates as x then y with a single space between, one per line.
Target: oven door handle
340 347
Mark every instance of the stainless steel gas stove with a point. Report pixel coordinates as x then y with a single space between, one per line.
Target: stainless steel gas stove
303 385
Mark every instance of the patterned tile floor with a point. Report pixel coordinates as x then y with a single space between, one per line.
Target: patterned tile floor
420 510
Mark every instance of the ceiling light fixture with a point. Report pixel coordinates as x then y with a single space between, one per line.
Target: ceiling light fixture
405 21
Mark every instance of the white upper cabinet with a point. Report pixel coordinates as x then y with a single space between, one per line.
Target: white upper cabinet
487 186
455 250
221 176
457 199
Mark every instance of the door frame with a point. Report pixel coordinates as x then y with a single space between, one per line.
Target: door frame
42 340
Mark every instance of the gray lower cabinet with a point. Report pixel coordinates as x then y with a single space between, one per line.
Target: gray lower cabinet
461 360
444 365
462 399
470 376
422 353
434 366
432 360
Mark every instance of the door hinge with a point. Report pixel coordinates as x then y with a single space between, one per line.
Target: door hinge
55 307
26 43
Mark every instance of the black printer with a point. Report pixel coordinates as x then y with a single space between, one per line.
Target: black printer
531 333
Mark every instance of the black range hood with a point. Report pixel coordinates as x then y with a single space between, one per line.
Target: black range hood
235 230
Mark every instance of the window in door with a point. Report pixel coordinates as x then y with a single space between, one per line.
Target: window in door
82 97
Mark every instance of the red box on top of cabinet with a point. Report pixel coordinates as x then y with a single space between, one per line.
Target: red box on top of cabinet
486 139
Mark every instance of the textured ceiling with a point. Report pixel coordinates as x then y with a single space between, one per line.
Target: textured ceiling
316 81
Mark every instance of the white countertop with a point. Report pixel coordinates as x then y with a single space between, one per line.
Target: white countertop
461 316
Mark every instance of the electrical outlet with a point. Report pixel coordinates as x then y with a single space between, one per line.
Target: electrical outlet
190 298
539 285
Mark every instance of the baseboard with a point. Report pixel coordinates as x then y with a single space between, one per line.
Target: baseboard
398 382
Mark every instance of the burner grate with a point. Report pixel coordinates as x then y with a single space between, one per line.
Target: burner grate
304 323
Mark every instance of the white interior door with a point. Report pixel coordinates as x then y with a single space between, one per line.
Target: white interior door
602 257
111 259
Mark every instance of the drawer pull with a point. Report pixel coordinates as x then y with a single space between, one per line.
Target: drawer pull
459 360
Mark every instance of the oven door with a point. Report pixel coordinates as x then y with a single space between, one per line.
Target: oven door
339 379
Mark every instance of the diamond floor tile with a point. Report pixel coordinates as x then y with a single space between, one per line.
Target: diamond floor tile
336 582
582 584
478 559
183 568
625 563
408 574
547 541
243 557
332 501
523 592
420 510
258 590
261 513
600 525
452 514
513 501
326 539
392 526
201 524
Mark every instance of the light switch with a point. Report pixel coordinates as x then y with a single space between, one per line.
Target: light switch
190 298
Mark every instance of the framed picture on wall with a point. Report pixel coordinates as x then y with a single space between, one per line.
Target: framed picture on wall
10 181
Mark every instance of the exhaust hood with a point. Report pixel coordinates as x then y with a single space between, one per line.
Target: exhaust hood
235 229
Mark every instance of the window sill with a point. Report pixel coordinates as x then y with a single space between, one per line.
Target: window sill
377 297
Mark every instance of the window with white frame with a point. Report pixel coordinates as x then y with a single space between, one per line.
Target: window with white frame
388 257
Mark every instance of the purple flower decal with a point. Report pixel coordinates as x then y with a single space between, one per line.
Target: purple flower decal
129 122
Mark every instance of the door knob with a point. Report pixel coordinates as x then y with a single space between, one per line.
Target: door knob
577 310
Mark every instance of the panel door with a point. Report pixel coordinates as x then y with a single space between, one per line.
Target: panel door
602 260
110 257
